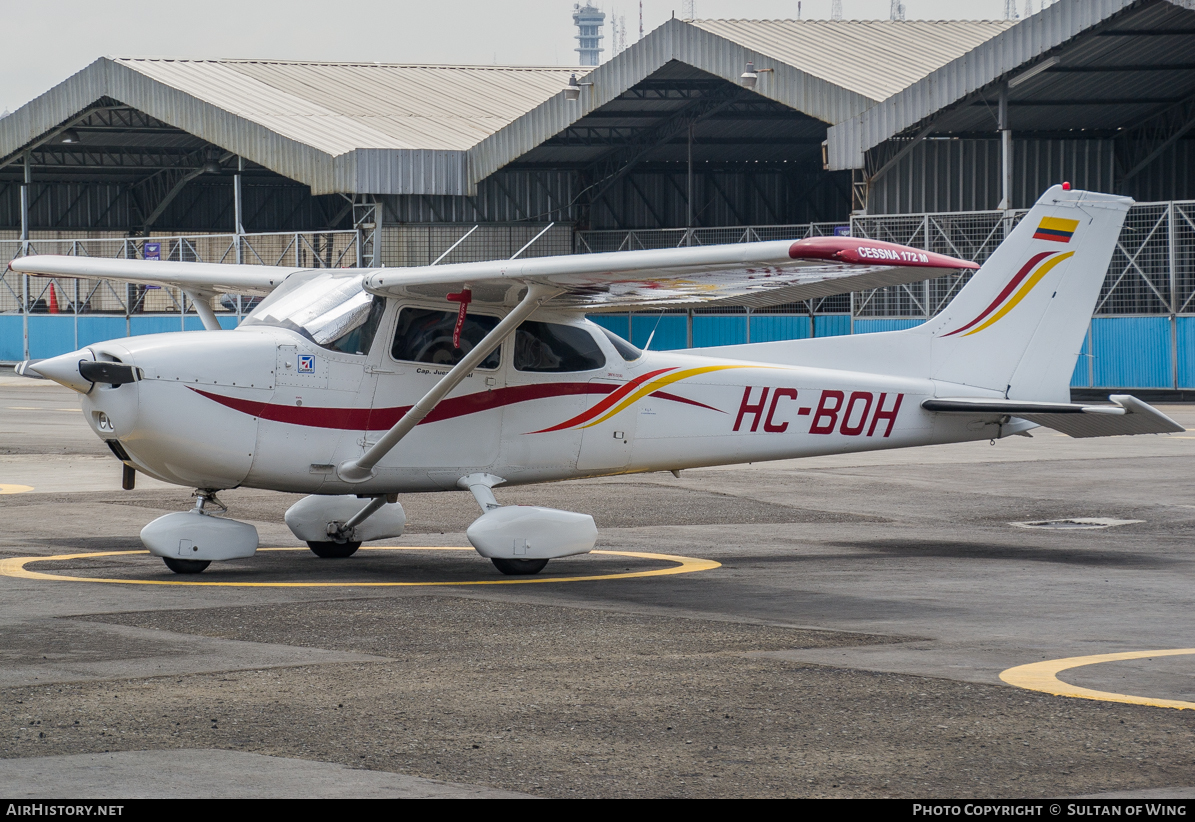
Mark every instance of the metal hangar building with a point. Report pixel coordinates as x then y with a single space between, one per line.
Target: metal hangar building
934 133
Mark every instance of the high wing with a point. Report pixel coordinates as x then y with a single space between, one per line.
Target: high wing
1128 415
751 274
202 278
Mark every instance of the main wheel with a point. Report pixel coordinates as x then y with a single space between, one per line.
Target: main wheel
186 566
333 550
519 567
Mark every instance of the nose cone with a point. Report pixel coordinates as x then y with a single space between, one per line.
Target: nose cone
64 370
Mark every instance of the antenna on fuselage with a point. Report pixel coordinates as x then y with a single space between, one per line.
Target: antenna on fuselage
652 335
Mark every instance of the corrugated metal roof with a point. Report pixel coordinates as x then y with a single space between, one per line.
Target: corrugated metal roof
821 69
338 107
875 58
349 127
1003 56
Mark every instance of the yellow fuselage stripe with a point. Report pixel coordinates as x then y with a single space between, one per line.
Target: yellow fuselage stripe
657 384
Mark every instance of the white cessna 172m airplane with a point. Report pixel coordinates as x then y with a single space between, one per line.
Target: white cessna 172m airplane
355 386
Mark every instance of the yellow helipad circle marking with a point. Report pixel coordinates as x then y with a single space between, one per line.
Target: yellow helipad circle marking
14 489
15 567
1042 676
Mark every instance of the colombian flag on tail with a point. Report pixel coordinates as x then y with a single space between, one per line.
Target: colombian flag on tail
1056 229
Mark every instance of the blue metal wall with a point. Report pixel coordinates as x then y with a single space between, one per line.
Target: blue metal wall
1120 352
54 334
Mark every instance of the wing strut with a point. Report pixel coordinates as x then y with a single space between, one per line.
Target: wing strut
200 300
362 468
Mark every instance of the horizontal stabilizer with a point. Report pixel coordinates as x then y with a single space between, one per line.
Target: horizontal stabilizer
1127 415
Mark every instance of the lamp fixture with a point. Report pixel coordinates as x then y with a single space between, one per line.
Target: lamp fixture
749 78
69 136
572 91
212 167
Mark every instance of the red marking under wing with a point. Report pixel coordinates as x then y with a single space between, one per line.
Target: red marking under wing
1013 283
853 251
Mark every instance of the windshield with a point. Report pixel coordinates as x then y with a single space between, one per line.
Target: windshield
331 309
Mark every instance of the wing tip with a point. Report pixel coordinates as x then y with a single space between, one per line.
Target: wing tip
863 251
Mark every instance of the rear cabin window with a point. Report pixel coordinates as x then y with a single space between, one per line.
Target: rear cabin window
553 348
425 335
625 350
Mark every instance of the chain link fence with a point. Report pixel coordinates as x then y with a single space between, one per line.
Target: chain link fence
589 242
1152 271
1151 274
334 249
415 245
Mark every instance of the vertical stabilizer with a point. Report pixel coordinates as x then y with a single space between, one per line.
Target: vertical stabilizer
1017 327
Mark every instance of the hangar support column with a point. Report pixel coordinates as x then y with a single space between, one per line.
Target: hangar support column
1005 152
24 253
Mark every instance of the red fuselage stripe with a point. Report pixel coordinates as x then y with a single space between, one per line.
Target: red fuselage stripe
380 419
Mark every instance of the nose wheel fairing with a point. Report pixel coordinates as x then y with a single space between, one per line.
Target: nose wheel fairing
195 536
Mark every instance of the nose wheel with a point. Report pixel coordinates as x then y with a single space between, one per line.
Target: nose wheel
186 566
519 567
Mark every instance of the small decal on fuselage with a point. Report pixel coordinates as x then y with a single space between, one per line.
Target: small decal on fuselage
306 363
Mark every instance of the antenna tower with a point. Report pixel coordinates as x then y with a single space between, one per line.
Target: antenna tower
618 33
640 19
686 10
589 22
835 9
896 10
1010 10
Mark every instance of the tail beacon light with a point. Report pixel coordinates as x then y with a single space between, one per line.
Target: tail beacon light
530 532
195 536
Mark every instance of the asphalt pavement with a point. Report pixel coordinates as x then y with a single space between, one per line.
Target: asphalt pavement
836 626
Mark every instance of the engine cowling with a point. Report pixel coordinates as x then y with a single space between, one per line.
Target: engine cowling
530 532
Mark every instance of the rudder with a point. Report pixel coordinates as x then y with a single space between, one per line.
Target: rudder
1019 323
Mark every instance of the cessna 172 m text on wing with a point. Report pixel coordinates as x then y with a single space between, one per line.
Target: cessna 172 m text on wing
355 386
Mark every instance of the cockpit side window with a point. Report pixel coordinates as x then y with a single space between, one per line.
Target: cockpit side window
425 335
556 348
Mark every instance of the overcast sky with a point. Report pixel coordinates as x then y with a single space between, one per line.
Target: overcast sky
46 43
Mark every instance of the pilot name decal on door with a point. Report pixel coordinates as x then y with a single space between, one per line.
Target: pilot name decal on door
861 413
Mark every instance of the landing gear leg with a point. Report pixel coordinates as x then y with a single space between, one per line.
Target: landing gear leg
195 566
